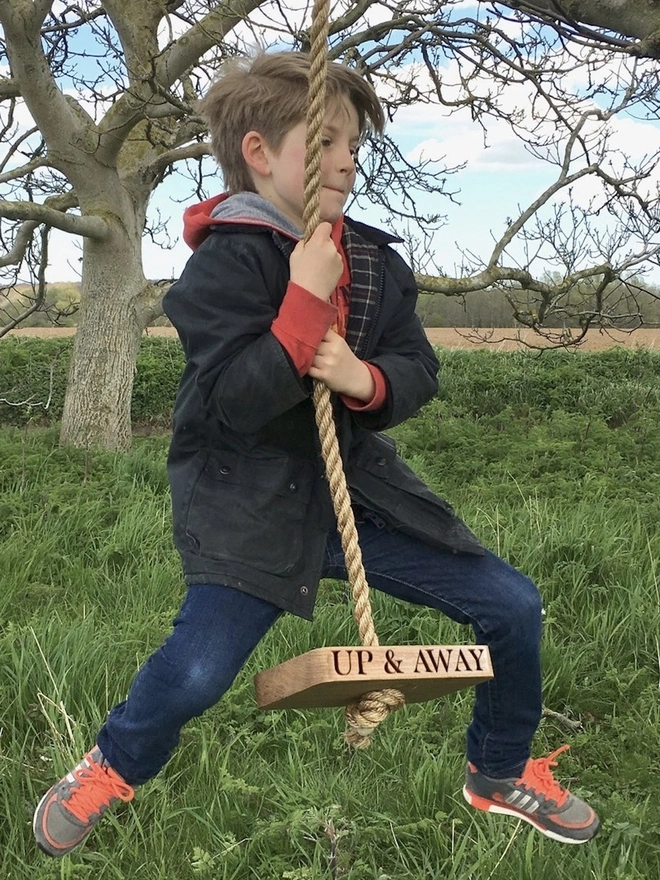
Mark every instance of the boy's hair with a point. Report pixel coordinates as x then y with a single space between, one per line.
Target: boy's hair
268 94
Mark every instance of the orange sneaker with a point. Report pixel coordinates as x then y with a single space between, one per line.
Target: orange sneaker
72 807
537 798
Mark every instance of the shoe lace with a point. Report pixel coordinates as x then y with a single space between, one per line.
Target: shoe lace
538 776
98 787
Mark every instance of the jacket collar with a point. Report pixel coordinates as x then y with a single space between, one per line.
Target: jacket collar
250 212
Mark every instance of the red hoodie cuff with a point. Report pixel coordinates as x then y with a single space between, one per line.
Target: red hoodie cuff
379 395
301 324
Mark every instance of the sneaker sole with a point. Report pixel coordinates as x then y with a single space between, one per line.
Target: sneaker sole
487 806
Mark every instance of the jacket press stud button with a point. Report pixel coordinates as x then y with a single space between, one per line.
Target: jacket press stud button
224 469
293 487
304 591
381 462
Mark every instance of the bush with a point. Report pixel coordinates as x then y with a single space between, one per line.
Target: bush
33 377
159 367
617 383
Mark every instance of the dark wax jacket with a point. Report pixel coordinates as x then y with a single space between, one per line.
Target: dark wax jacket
250 499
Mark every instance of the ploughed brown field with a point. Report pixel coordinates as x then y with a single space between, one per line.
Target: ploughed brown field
498 339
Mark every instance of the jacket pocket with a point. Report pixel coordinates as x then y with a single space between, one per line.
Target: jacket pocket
381 481
251 511
399 485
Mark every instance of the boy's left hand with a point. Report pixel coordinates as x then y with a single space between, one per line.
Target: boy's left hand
335 364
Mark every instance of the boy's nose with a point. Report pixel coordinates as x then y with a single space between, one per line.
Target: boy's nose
347 162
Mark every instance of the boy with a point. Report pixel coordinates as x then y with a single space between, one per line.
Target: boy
260 314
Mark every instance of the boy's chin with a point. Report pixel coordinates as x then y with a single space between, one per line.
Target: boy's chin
331 215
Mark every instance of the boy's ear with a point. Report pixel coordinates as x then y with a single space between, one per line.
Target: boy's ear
255 153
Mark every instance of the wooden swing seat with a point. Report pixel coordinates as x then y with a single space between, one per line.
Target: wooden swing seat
337 676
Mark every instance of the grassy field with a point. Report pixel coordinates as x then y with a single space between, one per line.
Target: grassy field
555 462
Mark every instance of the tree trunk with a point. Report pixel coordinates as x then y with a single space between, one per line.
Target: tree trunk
97 406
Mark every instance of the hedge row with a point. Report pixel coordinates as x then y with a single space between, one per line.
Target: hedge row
33 377
615 383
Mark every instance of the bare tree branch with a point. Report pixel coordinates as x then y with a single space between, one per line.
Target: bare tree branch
23 238
40 294
640 19
9 89
88 227
171 64
51 111
22 171
193 151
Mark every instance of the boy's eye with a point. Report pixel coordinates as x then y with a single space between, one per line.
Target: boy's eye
328 142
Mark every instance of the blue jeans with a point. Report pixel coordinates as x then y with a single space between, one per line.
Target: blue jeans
218 627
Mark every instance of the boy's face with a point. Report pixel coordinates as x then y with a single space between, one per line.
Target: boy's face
280 177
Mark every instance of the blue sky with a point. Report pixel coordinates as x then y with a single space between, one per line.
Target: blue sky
499 179
485 195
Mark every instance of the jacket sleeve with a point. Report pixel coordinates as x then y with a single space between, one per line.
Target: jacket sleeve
401 350
222 308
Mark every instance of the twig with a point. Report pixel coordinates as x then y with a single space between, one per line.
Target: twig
28 401
571 723
332 858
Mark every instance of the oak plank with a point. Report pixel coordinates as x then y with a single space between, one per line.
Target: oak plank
335 676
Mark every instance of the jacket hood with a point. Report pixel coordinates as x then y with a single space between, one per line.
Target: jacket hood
244 208
251 209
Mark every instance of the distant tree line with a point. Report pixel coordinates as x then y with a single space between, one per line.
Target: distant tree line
625 305
55 305
630 305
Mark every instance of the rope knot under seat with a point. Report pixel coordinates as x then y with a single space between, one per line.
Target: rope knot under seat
365 714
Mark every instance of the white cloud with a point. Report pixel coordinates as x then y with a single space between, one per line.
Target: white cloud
464 142
431 132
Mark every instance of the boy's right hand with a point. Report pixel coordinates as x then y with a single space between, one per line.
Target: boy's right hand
316 264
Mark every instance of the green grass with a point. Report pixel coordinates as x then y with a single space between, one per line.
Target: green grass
554 461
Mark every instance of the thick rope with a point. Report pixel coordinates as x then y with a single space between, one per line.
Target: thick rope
364 714
367 712
318 38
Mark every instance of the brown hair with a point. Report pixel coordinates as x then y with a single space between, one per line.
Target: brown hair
268 94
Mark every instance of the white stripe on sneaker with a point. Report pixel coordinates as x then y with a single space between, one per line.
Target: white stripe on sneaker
522 801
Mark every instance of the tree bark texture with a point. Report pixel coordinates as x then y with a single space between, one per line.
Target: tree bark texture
97 405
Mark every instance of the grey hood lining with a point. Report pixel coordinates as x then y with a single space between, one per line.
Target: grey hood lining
247 207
